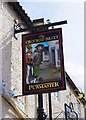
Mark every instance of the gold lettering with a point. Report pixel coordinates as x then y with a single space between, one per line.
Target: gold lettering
56 84
41 40
47 38
28 42
31 87
56 37
42 86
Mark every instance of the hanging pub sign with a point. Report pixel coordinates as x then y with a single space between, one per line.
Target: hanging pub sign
43 64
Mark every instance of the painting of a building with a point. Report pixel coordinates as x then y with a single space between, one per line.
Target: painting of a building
46 54
54 53
51 53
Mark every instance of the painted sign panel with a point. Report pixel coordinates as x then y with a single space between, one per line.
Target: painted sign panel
43 64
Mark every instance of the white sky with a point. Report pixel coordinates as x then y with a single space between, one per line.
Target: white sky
73 32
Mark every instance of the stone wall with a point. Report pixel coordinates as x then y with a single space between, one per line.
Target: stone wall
11 56
7 110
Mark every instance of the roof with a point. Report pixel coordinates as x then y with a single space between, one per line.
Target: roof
19 112
73 86
21 13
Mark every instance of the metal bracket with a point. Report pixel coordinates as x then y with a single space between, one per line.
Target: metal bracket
15 27
18 27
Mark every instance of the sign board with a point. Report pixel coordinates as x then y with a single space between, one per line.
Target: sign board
70 114
42 62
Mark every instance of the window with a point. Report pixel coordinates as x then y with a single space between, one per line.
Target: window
57 96
79 109
69 114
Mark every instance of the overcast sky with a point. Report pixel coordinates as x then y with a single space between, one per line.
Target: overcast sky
73 32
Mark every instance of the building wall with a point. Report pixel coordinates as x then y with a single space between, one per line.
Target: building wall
58 99
11 50
0 60
65 97
11 56
0 107
7 110
12 64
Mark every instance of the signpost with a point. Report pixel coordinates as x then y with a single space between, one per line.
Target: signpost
43 64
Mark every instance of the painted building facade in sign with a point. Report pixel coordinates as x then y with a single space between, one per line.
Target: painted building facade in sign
54 53
51 53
